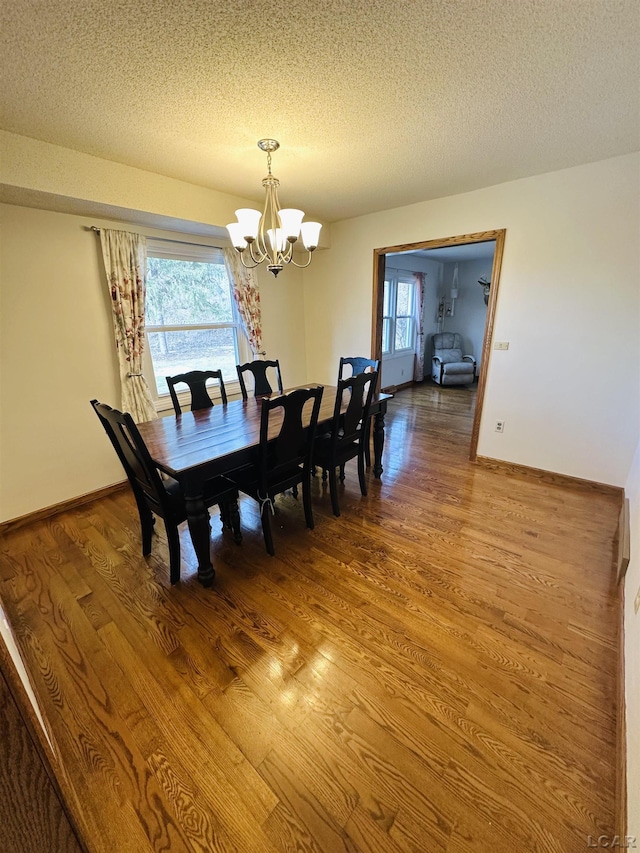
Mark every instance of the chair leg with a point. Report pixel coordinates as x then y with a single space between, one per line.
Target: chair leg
294 491
225 516
342 473
367 444
265 517
147 520
173 538
306 502
333 488
146 523
234 521
361 473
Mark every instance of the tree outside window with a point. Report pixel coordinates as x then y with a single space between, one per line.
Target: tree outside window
191 321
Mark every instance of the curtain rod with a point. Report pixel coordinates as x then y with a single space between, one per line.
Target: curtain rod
187 242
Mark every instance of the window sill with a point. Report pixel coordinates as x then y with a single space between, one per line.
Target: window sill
397 355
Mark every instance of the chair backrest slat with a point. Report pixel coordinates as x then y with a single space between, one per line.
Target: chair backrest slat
132 452
349 427
292 446
358 364
258 369
197 382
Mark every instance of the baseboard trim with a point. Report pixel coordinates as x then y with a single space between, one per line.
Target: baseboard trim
551 477
621 728
49 511
623 541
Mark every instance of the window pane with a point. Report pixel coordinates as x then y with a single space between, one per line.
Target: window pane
405 298
186 293
403 333
386 310
386 334
206 349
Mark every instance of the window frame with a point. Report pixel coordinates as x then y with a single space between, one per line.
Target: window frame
392 278
192 252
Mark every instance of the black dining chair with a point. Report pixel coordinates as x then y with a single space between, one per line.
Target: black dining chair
359 364
261 384
284 454
197 382
348 436
158 496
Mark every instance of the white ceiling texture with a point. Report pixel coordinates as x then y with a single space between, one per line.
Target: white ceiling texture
376 104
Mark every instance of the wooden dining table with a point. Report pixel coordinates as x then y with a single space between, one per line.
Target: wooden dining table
195 446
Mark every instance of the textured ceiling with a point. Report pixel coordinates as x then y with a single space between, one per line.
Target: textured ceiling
376 104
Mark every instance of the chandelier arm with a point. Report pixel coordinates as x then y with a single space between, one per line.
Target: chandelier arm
261 256
287 255
245 264
271 220
302 266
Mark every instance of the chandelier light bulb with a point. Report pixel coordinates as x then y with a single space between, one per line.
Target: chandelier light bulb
290 221
249 221
237 237
310 235
277 239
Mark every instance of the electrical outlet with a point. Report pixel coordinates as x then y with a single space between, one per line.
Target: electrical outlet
499 426
501 345
636 603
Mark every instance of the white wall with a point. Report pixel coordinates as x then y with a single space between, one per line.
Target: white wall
57 353
632 653
569 279
470 313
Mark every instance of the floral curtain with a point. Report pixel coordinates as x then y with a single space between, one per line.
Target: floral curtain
244 284
418 362
125 262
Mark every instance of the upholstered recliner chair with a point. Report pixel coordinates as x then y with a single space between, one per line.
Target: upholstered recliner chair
448 365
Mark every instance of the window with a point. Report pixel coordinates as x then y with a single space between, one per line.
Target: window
398 324
191 320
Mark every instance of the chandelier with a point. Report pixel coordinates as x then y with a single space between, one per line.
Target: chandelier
270 235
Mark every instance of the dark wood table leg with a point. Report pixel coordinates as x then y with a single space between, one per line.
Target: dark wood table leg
199 528
378 440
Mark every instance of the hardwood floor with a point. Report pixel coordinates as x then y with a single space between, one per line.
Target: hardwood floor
435 670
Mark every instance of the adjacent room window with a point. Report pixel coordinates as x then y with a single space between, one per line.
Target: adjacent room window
191 319
398 324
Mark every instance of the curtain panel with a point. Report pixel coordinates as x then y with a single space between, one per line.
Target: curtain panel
418 361
125 262
244 284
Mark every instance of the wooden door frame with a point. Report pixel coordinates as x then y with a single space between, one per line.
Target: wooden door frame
379 257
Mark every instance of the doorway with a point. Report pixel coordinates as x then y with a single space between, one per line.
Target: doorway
380 261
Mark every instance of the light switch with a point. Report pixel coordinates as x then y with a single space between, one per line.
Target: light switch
501 345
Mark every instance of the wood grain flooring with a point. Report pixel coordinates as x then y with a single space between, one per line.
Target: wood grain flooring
434 671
